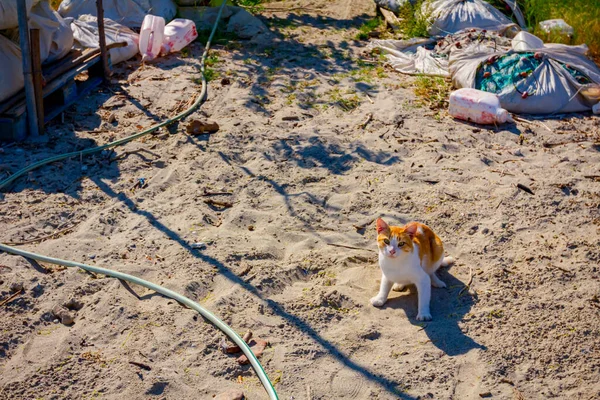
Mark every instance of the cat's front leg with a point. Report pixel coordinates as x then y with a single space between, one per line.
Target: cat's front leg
436 282
423 285
384 290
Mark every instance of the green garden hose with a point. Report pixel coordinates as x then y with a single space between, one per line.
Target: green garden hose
264 379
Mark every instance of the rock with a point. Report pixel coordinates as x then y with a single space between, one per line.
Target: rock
16 287
257 346
63 314
232 394
197 127
246 25
486 394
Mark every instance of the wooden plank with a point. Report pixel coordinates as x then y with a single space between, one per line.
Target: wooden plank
36 67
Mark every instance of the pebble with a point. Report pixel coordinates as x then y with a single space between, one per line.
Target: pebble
199 245
232 394
16 287
63 314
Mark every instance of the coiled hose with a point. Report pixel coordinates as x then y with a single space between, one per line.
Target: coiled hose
260 372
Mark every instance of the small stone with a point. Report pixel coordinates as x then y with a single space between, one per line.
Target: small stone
92 256
518 153
485 231
485 394
198 246
232 394
63 314
16 287
250 227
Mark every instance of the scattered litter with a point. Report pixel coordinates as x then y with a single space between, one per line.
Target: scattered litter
197 127
231 394
557 26
257 346
140 183
477 106
198 246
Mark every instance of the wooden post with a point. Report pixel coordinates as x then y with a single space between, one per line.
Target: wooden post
36 63
26 59
102 37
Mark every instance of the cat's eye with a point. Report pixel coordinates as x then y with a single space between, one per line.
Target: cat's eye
386 241
401 244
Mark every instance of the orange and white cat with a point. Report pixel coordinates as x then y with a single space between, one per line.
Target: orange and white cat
409 255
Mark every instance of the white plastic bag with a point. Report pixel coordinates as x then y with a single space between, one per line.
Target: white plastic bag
85 32
557 25
11 78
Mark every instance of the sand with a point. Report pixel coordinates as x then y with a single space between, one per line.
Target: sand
301 171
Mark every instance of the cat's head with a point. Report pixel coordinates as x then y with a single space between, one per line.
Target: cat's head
395 241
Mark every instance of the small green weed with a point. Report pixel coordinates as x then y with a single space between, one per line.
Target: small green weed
368 27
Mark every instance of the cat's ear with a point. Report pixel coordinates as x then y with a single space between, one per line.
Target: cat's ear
411 230
382 226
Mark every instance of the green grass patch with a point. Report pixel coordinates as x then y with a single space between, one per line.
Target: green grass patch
432 91
414 20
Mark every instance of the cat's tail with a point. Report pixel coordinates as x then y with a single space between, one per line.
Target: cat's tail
448 261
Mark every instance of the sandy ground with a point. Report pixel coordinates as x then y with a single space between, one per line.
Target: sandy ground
301 171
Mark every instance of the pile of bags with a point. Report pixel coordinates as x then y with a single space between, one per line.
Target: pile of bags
479 47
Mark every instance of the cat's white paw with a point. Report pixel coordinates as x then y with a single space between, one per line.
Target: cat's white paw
424 317
377 302
398 287
438 284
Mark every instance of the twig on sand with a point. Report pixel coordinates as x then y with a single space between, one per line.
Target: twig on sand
525 188
217 203
142 366
41 239
11 298
593 177
364 124
362 226
468 285
216 194
348 247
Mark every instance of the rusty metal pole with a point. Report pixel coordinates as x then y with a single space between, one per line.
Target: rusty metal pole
102 37
32 118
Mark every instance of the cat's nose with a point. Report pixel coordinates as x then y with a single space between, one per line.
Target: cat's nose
392 251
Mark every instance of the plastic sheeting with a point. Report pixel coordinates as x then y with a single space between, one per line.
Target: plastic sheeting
130 13
11 78
562 79
85 32
451 16
430 56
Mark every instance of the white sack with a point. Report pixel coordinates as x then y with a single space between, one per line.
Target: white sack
8 13
11 78
451 16
85 32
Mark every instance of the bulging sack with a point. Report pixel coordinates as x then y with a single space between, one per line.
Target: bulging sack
11 78
85 32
